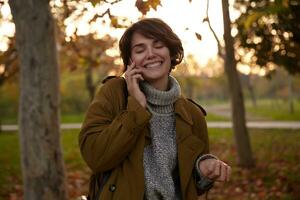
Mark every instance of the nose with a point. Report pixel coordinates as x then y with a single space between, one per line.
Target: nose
150 53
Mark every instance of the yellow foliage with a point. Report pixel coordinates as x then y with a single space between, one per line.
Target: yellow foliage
252 18
144 6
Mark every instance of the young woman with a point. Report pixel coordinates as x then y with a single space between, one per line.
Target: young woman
141 137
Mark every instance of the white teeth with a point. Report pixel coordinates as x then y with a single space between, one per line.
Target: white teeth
155 64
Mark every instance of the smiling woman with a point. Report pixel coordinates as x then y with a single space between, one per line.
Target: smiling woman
151 52
156 69
141 137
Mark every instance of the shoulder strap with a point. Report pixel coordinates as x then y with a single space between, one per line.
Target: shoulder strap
124 86
125 92
107 78
201 108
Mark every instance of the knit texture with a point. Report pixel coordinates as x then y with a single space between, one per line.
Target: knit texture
161 102
160 157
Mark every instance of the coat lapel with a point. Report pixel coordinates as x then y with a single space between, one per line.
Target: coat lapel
189 146
184 120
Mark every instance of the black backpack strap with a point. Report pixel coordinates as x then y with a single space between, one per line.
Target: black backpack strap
107 78
125 92
124 86
97 182
201 108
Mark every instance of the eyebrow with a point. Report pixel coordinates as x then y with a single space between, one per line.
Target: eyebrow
155 41
138 45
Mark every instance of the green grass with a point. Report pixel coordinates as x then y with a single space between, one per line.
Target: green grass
276 175
71 150
266 109
78 118
213 117
65 118
72 118
10 169
274 110
9 120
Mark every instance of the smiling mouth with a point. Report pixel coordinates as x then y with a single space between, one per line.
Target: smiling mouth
154 64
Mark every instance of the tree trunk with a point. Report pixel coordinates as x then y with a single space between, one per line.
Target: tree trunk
237 102
251 90
190 88
41 155
291 95
89 81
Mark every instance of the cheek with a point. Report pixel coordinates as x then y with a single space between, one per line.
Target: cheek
138 59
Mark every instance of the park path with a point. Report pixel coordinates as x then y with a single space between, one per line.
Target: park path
224 110
210 124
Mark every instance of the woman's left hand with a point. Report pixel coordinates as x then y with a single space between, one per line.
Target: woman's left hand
215 170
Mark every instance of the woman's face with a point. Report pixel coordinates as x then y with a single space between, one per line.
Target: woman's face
152 56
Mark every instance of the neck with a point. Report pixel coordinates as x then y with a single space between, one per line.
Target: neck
158 101
162 85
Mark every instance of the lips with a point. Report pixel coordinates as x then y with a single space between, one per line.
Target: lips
153 64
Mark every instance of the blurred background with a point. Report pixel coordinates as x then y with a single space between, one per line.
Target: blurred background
267 55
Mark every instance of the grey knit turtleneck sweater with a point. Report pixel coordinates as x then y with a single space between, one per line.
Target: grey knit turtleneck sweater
160 157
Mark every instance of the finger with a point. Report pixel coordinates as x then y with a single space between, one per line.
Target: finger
220 169
138 77
217 170
228 173
131 66
223 174
209 170
133 71
129 74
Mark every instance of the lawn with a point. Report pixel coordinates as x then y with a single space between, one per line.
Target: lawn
265 109
214 117
65 118
276 175
274 110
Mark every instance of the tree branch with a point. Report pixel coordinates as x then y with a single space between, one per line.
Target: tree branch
206 19
113 2
79 54
107 12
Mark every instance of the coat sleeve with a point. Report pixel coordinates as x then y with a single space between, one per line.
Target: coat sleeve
200 125
200 129
109 133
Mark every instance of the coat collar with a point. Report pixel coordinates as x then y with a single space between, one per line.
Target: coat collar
181 109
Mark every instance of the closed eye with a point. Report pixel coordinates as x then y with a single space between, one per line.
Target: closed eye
158 44
139 49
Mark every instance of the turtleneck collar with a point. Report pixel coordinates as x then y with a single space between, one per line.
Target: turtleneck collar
161 102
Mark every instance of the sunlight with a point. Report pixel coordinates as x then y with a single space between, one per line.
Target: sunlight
244 68
5 11
185 19
112 52
2 69
7 29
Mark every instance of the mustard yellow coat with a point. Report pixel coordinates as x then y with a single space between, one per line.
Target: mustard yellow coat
114 134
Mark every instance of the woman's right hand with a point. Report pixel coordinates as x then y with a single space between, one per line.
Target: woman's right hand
132 76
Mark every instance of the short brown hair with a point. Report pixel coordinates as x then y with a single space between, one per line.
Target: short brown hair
152 28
